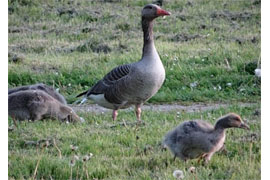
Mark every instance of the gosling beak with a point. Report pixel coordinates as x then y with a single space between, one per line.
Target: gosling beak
162 12
244 126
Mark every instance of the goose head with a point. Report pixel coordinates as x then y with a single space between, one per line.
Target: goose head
152 11
231 120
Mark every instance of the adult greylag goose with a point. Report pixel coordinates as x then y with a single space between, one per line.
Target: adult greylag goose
135 83
200 139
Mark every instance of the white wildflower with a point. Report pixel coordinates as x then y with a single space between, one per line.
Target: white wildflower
258 72
194 84
76 157
242 89
192 169
72 162
178 174
229 84
87 157
82 119
73 148
47 143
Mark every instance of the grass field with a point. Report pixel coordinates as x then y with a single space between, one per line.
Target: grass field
121 152
210 50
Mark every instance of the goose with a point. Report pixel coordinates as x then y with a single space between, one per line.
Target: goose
135 83
36 105
42 87
200 139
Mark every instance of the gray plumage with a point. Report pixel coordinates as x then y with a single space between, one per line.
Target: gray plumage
110 85
193 139
36 105
135 83
43 87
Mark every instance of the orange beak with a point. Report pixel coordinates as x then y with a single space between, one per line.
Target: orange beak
162 12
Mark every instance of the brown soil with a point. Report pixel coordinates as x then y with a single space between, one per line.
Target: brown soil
163 107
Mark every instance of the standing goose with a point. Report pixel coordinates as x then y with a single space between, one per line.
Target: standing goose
135 83
194 139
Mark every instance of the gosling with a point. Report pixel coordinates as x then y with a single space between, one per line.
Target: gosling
36 105
199 139
42 87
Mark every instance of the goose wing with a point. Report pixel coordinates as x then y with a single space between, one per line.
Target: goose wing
197 126
111 84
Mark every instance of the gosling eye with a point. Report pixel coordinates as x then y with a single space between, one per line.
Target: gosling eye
238 119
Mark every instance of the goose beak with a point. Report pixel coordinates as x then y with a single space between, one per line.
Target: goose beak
244 126
162 12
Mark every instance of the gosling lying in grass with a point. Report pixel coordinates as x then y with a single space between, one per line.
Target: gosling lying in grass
42 87
36 105
200 139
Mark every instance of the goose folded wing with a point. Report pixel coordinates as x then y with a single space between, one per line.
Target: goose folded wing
110 81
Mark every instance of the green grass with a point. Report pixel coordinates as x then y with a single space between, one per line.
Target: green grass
209 49
73 44
130 153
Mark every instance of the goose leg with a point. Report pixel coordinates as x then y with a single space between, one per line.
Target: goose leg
138 112
114 114
201 157
207 158
174 158
14 121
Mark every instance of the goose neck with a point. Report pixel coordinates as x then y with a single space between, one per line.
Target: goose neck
148 39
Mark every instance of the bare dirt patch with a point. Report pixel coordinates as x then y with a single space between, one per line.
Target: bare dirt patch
232 15
93 108
185 37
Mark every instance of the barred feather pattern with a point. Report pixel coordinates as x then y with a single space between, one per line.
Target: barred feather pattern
112 84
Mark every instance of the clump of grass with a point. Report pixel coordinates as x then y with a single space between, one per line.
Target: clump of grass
123 26
94 46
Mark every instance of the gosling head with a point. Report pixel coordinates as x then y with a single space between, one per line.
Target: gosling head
231 120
